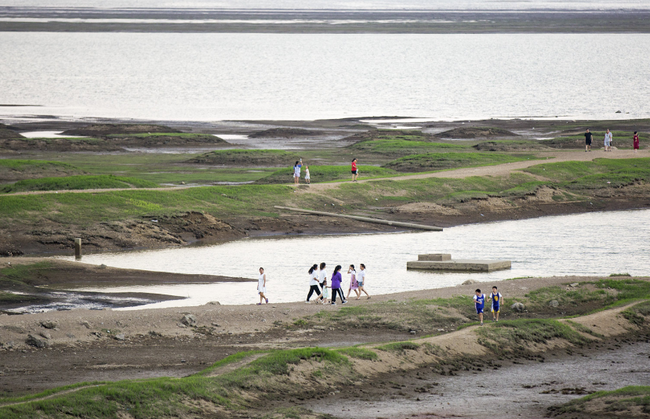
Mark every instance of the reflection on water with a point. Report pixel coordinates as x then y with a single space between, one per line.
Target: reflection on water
583 244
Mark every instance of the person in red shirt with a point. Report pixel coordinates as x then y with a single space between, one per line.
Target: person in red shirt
635 139
355 171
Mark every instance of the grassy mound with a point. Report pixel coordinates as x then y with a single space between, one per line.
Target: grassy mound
626 402
401 147
597 174
326 174
102 130
77 182
285 133
248 158
476 132
510 145
14 169
441 161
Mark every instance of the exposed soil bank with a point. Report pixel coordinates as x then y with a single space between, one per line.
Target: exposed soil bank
82 346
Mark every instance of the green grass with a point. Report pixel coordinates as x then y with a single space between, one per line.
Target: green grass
359 353
326 174
638 314
543 296
160 134
248 157
399 347
23 277
442 161
77 182
617 402
508 335
400 146
168 397
32 165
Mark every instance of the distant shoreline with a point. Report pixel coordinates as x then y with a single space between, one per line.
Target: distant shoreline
323 21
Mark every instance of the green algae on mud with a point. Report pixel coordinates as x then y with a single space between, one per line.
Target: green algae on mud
628 402
77 183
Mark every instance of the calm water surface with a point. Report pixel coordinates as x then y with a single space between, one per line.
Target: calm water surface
585 244
190 76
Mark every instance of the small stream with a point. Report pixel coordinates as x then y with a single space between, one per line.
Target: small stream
597 243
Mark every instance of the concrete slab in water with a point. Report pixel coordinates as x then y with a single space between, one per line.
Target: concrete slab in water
435 257
460 265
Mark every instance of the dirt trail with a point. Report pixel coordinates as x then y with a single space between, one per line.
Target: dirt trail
498 170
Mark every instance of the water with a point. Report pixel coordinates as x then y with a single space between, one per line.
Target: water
208 77
585 244
342 4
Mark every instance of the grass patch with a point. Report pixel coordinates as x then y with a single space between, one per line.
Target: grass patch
402 147
76 183
248 157
638 314
543 296
618 402
442 161
399 347
326 174
509 335
359 353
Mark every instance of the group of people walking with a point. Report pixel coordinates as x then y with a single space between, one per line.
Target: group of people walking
319 286
607 142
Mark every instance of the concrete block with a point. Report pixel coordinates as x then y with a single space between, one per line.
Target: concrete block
436 257
460 265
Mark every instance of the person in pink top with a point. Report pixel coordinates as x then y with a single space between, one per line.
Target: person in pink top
353 282
635 141
355 171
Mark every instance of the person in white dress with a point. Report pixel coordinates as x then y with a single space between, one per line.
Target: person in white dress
261 287
361 280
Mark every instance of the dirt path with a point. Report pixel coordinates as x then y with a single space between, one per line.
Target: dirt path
496 170
500 169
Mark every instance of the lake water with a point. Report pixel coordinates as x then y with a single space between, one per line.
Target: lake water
221 76
586 244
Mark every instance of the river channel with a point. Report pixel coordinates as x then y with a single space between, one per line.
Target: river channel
596 243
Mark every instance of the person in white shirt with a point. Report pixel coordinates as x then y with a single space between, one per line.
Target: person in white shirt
261 287
307 175
608 141
313 284
361 280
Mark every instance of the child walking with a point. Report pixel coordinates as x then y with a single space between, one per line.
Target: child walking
261 287
497 300
307 175
479 302
336 285
313 283
355 171
361 280
354 285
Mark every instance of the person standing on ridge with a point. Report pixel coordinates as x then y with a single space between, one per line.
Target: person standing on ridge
588 136
635 141
355 171
479 304
608 141
497 301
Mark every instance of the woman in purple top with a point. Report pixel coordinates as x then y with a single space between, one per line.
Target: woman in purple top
336 285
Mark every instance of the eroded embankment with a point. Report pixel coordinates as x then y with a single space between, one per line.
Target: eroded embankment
284 376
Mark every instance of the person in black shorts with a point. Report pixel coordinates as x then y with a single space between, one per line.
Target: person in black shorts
588 136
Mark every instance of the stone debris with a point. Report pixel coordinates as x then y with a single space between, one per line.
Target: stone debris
470 282
553 303
518 307
189 320
48 324
119 336
46 335
36 342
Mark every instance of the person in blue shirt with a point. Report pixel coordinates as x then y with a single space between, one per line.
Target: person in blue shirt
479 303
497 302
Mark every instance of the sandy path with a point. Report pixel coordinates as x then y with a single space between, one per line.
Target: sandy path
496 170
500 169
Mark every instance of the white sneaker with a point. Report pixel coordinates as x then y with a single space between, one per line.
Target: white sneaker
307 302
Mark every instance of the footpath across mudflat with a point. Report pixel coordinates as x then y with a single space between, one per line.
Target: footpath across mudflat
47 350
